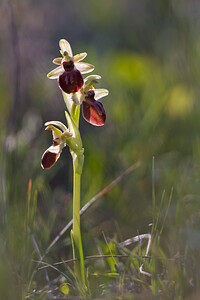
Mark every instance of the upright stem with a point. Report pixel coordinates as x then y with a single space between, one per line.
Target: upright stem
76 208
77 152
76 232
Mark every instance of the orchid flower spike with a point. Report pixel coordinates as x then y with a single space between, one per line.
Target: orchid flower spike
69 72
92 109
60 135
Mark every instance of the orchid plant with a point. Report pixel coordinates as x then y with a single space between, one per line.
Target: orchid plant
76 91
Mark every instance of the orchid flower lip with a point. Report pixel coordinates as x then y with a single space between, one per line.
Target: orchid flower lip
71 80
50 157
93 111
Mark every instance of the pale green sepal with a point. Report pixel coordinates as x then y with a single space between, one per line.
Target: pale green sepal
79 56
54 74
65 47
57 61
84 67
73 142
99 93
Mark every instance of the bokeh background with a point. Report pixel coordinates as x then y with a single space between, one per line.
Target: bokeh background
148 54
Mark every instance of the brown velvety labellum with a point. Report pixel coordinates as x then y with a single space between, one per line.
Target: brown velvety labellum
93 112
70 82
49 159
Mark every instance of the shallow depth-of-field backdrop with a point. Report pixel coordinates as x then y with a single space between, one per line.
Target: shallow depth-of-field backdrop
148 54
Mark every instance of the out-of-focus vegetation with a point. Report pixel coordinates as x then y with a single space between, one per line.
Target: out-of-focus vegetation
148 54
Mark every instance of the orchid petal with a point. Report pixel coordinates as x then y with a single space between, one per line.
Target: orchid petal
79 56
50 156
54 74
65 47
84 67
92 78
58 124
57 60
99 93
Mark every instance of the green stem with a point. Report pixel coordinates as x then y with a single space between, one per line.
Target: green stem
76 208
76 232
75 145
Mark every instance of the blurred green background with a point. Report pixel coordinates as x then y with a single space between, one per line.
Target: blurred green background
148 54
